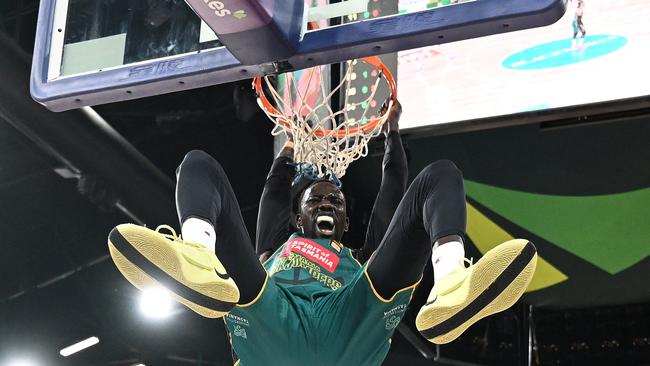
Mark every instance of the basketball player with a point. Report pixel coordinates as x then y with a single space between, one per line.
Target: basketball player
283 188
312 302
578 26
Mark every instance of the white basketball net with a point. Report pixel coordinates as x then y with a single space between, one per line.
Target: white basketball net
328 139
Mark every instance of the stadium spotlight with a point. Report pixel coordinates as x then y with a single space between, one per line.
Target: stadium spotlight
156 303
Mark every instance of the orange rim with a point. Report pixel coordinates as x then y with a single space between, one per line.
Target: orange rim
320 132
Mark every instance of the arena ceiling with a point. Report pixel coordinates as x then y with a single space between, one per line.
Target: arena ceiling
61 176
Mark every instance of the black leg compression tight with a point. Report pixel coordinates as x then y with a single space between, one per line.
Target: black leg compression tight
203 190
433 207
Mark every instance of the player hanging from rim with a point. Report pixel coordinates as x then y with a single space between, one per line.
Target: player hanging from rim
283 188
578 26
312 302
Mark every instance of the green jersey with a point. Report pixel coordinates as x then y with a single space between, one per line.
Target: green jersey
317 307
312 268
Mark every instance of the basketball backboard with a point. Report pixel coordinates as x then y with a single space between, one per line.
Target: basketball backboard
90 52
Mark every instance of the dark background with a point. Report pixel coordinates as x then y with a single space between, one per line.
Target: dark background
66 179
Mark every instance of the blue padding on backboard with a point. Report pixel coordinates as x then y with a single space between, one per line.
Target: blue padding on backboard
424 28
274 34
130 81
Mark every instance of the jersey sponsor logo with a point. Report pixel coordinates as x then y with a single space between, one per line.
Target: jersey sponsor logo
295 261
392 322
394 316
397 309
237 319
240 332
312 251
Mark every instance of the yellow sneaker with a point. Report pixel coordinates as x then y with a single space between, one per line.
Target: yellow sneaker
467 295
192 273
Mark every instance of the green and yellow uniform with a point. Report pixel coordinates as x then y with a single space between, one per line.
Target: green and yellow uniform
317 307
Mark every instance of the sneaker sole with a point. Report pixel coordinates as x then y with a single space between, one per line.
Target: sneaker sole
498 280
145 259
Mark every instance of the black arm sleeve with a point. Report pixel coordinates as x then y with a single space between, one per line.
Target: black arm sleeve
393 185
274 214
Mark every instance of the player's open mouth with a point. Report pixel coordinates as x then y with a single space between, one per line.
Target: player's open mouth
325 225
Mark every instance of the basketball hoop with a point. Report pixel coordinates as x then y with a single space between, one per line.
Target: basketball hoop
326 138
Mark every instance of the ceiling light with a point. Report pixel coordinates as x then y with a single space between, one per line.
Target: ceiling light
79 346
156 303
21 362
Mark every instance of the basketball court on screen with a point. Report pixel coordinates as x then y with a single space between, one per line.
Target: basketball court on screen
529 70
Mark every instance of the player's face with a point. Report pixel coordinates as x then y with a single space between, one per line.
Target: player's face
322 212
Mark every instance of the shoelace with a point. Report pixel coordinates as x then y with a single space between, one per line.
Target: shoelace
467 261
173 237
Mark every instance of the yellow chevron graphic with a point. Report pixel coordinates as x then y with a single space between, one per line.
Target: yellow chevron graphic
486 235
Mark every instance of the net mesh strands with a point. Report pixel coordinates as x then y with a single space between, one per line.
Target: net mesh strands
325 137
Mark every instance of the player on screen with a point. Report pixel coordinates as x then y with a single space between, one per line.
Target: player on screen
578 26
314 301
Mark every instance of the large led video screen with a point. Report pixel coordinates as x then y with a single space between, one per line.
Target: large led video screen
535 69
